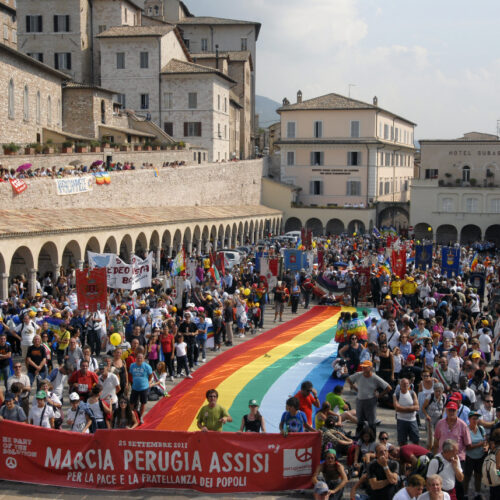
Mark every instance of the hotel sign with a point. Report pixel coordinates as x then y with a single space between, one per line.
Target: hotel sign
479 153
335 171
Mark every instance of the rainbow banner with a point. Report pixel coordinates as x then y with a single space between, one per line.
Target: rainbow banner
269 368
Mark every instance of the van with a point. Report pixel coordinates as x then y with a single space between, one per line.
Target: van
296 235
231 258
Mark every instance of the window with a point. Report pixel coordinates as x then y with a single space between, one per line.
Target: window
471 205
353 158
244 44
397 135
192 129
192 100
49 111
225 131
103 111
355 128
218 131
34 24
431 173
144 101
11 98
144 60
61 24
290 158
101 28
316 187
26 104
38 107
168 100
466 173
317 158
168 127
387 187
318 130
36 55
290 130
14 36
204 44
387 159
120 60
186 43
386 131
5 32
392 133
447 205
62 60
225 104
495 205
218 102
353 188
121 99
381 188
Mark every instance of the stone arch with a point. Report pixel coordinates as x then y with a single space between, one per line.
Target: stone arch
92 246
48 259
197 240
261 229
154 241
4 290
470 234
21 263
234 235
315 225
370 226
177 241
166 242
422 231
395 216
141 245
227 237
72 255
492 233
187 241
293 224
335 226
110 246
126 248
240 234
446 234
252 232
356 226
212 238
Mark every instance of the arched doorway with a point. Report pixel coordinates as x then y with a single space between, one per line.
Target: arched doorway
470 234
166 242
356 226
72 255
422 231
187 241
126 248
335 227
446 234
227 237
395 216
141 246
48 260
110 246
92 246
154 241
177 242
492 233
21 263
196 245
316 226
293 224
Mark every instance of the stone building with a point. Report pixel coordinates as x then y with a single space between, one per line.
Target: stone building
31 97
8 23
457 192
343 152
66 38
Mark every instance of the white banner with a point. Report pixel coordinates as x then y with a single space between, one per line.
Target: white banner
74 185
122 275
265 270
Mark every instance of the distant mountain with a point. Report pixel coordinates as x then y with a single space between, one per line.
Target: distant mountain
266 109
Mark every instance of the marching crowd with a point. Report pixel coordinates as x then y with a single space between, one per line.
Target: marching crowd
431 353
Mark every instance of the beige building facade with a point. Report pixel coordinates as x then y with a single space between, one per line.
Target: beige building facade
457 193
31 97
8 23
345 153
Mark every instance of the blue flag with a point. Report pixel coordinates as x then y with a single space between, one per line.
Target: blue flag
450 264
423 256
376 233
293 259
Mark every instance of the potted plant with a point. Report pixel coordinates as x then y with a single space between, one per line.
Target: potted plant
124 147
30 149
156 145
473 182
181 144
164 145
490 173
441 182
81 147
67 147
447 174
48 147
137 147
105 143
10 148
458 182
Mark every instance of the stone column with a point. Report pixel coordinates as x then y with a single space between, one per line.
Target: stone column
81 263
56 272
158 259
189 248
4 286
32 282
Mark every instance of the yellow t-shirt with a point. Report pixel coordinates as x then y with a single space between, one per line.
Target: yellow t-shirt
63 340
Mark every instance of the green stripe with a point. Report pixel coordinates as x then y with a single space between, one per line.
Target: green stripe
258 386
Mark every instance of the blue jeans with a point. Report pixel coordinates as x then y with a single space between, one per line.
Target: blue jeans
43 374
407 430
201 347
5 373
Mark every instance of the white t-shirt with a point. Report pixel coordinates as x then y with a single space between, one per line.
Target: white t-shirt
109 386
372 333
426 496
23 379
79 423
485 342
181 349
406 399
447 473
35 415
27 332
402 494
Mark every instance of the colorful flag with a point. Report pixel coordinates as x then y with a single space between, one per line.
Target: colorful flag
474 262
376 233
450 261
214 273
179 263
156 172
423 256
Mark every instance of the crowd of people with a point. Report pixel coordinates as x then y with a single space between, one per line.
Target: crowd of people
431 353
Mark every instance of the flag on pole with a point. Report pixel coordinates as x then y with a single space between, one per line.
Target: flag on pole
214 273
179 263
474 262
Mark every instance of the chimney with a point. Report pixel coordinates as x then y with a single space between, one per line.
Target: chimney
286 102
217 57
299 96
375 101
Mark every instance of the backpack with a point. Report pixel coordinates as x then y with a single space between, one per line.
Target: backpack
489 470
440 465
88 410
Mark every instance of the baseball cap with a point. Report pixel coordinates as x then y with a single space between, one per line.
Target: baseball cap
320 488
41 395
411 357
474 414
9 397
456 396
253 402
452 406
475 355
366 364
74 396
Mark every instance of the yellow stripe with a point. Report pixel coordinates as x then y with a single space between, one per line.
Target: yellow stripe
232 386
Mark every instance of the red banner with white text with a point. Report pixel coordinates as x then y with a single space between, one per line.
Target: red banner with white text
18 185
91 288
215 462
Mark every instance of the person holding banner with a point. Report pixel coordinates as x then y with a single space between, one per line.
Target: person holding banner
141 374
212 416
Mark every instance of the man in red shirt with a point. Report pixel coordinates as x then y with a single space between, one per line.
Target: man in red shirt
307 397
83 380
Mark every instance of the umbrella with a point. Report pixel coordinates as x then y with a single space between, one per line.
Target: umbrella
97 163
68 167
24 166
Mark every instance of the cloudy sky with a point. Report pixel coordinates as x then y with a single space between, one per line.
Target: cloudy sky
435 62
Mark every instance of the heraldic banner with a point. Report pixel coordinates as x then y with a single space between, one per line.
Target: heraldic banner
91 289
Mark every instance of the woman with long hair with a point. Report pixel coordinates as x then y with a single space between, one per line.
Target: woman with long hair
124 417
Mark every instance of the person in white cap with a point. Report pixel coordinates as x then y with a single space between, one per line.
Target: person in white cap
76 418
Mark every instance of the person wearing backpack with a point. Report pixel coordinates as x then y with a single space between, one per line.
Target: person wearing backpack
406 405
475 453
491 466
447 465
77 418
42 414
